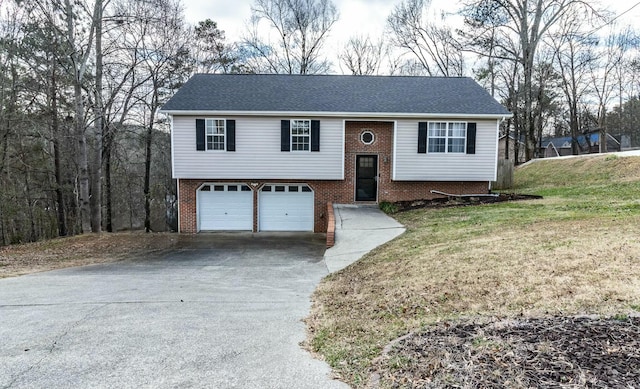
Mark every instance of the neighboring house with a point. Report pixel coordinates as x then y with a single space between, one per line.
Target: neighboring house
513 143
587 144
268 152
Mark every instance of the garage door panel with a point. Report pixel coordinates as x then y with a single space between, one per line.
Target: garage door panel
286 210
223 210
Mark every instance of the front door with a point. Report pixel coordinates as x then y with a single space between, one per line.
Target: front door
366 177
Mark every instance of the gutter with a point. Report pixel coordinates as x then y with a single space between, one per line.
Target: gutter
336 114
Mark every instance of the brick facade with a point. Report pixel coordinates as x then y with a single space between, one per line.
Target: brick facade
340 191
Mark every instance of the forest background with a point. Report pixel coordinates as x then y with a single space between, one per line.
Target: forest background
84 148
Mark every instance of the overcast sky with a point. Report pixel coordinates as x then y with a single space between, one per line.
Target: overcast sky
356 16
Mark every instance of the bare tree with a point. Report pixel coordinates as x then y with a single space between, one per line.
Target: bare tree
572 50
603 72
362 56
431 42
526 23
292 40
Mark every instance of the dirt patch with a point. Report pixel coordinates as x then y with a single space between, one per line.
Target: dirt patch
516 353
458 201
79 250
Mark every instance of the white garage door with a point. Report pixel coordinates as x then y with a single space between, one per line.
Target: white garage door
286 208
225 207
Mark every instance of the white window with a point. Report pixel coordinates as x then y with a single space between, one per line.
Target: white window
215 131
300 135
444 137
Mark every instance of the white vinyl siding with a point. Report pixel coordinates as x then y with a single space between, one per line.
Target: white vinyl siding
409 165
257 154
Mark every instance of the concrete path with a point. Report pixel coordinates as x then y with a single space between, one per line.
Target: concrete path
359 229
222 311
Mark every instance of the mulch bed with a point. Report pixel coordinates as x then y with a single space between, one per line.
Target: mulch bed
456 201
551 352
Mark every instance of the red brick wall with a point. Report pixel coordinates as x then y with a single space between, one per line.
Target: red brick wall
341 192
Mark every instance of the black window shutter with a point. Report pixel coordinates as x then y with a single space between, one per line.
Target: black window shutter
471 138
422 137
200 141
315 135
285 141
231 135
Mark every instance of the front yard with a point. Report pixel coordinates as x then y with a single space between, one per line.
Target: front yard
79 250
576 252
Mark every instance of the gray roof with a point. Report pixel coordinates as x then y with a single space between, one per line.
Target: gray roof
333 93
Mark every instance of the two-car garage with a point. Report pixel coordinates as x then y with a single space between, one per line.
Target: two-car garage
229 207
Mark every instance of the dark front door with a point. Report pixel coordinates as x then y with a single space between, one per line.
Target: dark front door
366 177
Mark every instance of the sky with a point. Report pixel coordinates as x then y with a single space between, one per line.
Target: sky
365 17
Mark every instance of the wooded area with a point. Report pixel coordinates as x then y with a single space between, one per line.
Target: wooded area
83 146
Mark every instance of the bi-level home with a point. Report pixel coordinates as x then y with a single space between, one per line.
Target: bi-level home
261 152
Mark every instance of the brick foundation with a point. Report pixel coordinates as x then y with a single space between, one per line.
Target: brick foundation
340 191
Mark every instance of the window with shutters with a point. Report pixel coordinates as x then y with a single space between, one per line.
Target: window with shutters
215 132
446 137
300 135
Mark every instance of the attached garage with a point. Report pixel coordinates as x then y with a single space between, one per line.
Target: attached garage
225 207
286 207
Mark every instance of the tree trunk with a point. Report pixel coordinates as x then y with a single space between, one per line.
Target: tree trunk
96 204
55 126
147 177
80 135
147 160
107 183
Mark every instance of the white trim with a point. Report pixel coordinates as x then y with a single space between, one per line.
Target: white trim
395 146
178 200
340 114
495 166
173 154
344 145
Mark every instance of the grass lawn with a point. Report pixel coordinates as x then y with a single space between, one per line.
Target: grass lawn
577 251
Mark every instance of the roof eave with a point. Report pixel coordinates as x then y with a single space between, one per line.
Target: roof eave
338 114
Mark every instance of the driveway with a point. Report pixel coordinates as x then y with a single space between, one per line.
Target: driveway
219 311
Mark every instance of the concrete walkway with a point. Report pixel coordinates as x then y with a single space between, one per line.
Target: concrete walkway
359 229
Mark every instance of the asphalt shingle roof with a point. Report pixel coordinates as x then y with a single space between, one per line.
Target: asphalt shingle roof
333 93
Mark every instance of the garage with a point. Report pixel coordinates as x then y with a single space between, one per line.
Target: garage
225 207
286 207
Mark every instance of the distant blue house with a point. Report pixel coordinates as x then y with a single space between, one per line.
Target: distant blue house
587 144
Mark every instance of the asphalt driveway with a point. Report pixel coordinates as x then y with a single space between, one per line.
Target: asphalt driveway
219 311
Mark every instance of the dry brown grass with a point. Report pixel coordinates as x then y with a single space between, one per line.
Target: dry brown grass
568 254
78 250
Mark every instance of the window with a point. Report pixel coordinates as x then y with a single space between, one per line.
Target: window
446 137
300 135
367 137
215 131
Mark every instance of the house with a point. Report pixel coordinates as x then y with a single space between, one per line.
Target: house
588 143
269 152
